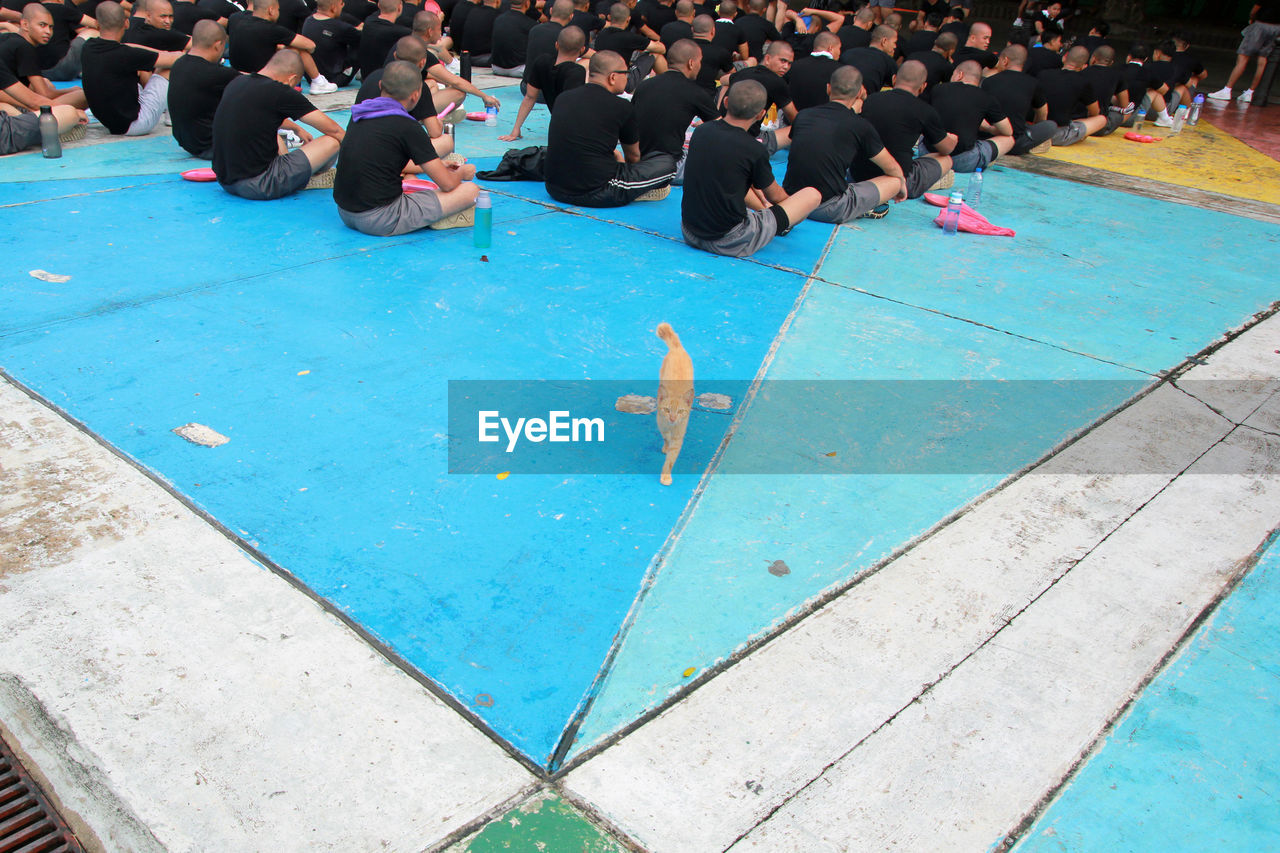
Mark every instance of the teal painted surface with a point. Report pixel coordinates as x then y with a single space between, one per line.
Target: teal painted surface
714 593
1193 765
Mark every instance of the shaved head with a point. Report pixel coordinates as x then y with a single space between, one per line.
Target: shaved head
411 49
704 24
1015 56
682 51
207 33
912 75
562 11
746 99
947 42
846 83
1077 57
285 63
401 80
969 71
111 16
571 41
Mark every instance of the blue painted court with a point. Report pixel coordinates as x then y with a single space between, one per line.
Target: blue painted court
559 609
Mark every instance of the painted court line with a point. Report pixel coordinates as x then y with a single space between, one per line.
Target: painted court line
221 708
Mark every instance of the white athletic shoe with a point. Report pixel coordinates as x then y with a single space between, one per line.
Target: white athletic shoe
321 86
1246 97
1164 120
1223 94
454 66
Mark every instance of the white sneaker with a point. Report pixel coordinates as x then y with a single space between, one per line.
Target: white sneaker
321 86
1246 97
1223 94
1164 120
454 66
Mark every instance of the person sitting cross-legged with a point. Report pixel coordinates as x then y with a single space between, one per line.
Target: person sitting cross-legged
384 144
249 157
127 87
21 130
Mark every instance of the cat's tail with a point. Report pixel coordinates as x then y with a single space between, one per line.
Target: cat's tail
669 335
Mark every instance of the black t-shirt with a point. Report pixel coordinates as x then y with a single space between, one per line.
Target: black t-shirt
253 41
408 11
655 15
586 126
1068 94
1019 93
808 80
541 42
371 87
939 70
292 14
775 88
852 37
715 62
622 42
920 40
511 38
187 14
901 118
826 142
140 32
1106 80
19 56
374 152
1040 58
356 12
477 37
378 37
336 45
553 80
1091 43
245 125
195 89
110 70
66 18
959 28
801 43
877 67
723 163
1138 80
727 35
985 58
756 30
1269 13
674 31
586 22
962 108
219 8
929 7
1187 63
665 105
1163 70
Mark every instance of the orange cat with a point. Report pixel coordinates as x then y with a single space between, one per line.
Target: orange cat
675 398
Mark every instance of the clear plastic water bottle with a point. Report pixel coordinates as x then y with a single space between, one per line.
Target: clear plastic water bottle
1179 119
1196 106
974 192
482 235
951 217
50 142
490 116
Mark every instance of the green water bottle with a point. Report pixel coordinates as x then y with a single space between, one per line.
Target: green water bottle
483 234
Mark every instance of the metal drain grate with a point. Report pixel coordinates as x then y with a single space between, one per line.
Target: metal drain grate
28 824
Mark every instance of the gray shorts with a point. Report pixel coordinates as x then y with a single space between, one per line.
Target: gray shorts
980 156
153 100
887 4
744 239
855 201
518 71
1259 39
925 172
1070 134
286 175
18 133
408 213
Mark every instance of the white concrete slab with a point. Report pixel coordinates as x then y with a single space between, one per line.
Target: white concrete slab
709 769
958 769
178 695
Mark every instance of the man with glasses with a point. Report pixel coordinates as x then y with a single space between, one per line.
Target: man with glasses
583 166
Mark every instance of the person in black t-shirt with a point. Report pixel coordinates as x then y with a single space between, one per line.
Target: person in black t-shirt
412 50
810 74
551 76
829 140
1257 40
60 56
249 157
1145 88
771 74
380 34
756 28
477 37
382 147
154 29
542 38
923 38
656 14
587 126
857 32
937 63
1191 71
682 26
732 204
716 61
30 89
666 105
728 34
976 47
196 83
254 37
1073 105
1022 98
1107 80
186 14
1096 37
643 55
875 62
511 40
356 12
114 71
1047 54
901 118
426 28
337 42
20 130
967 110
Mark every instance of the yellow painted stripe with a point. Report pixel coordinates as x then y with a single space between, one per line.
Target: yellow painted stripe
1202 157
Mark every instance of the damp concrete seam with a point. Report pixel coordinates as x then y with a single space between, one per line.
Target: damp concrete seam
947 673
